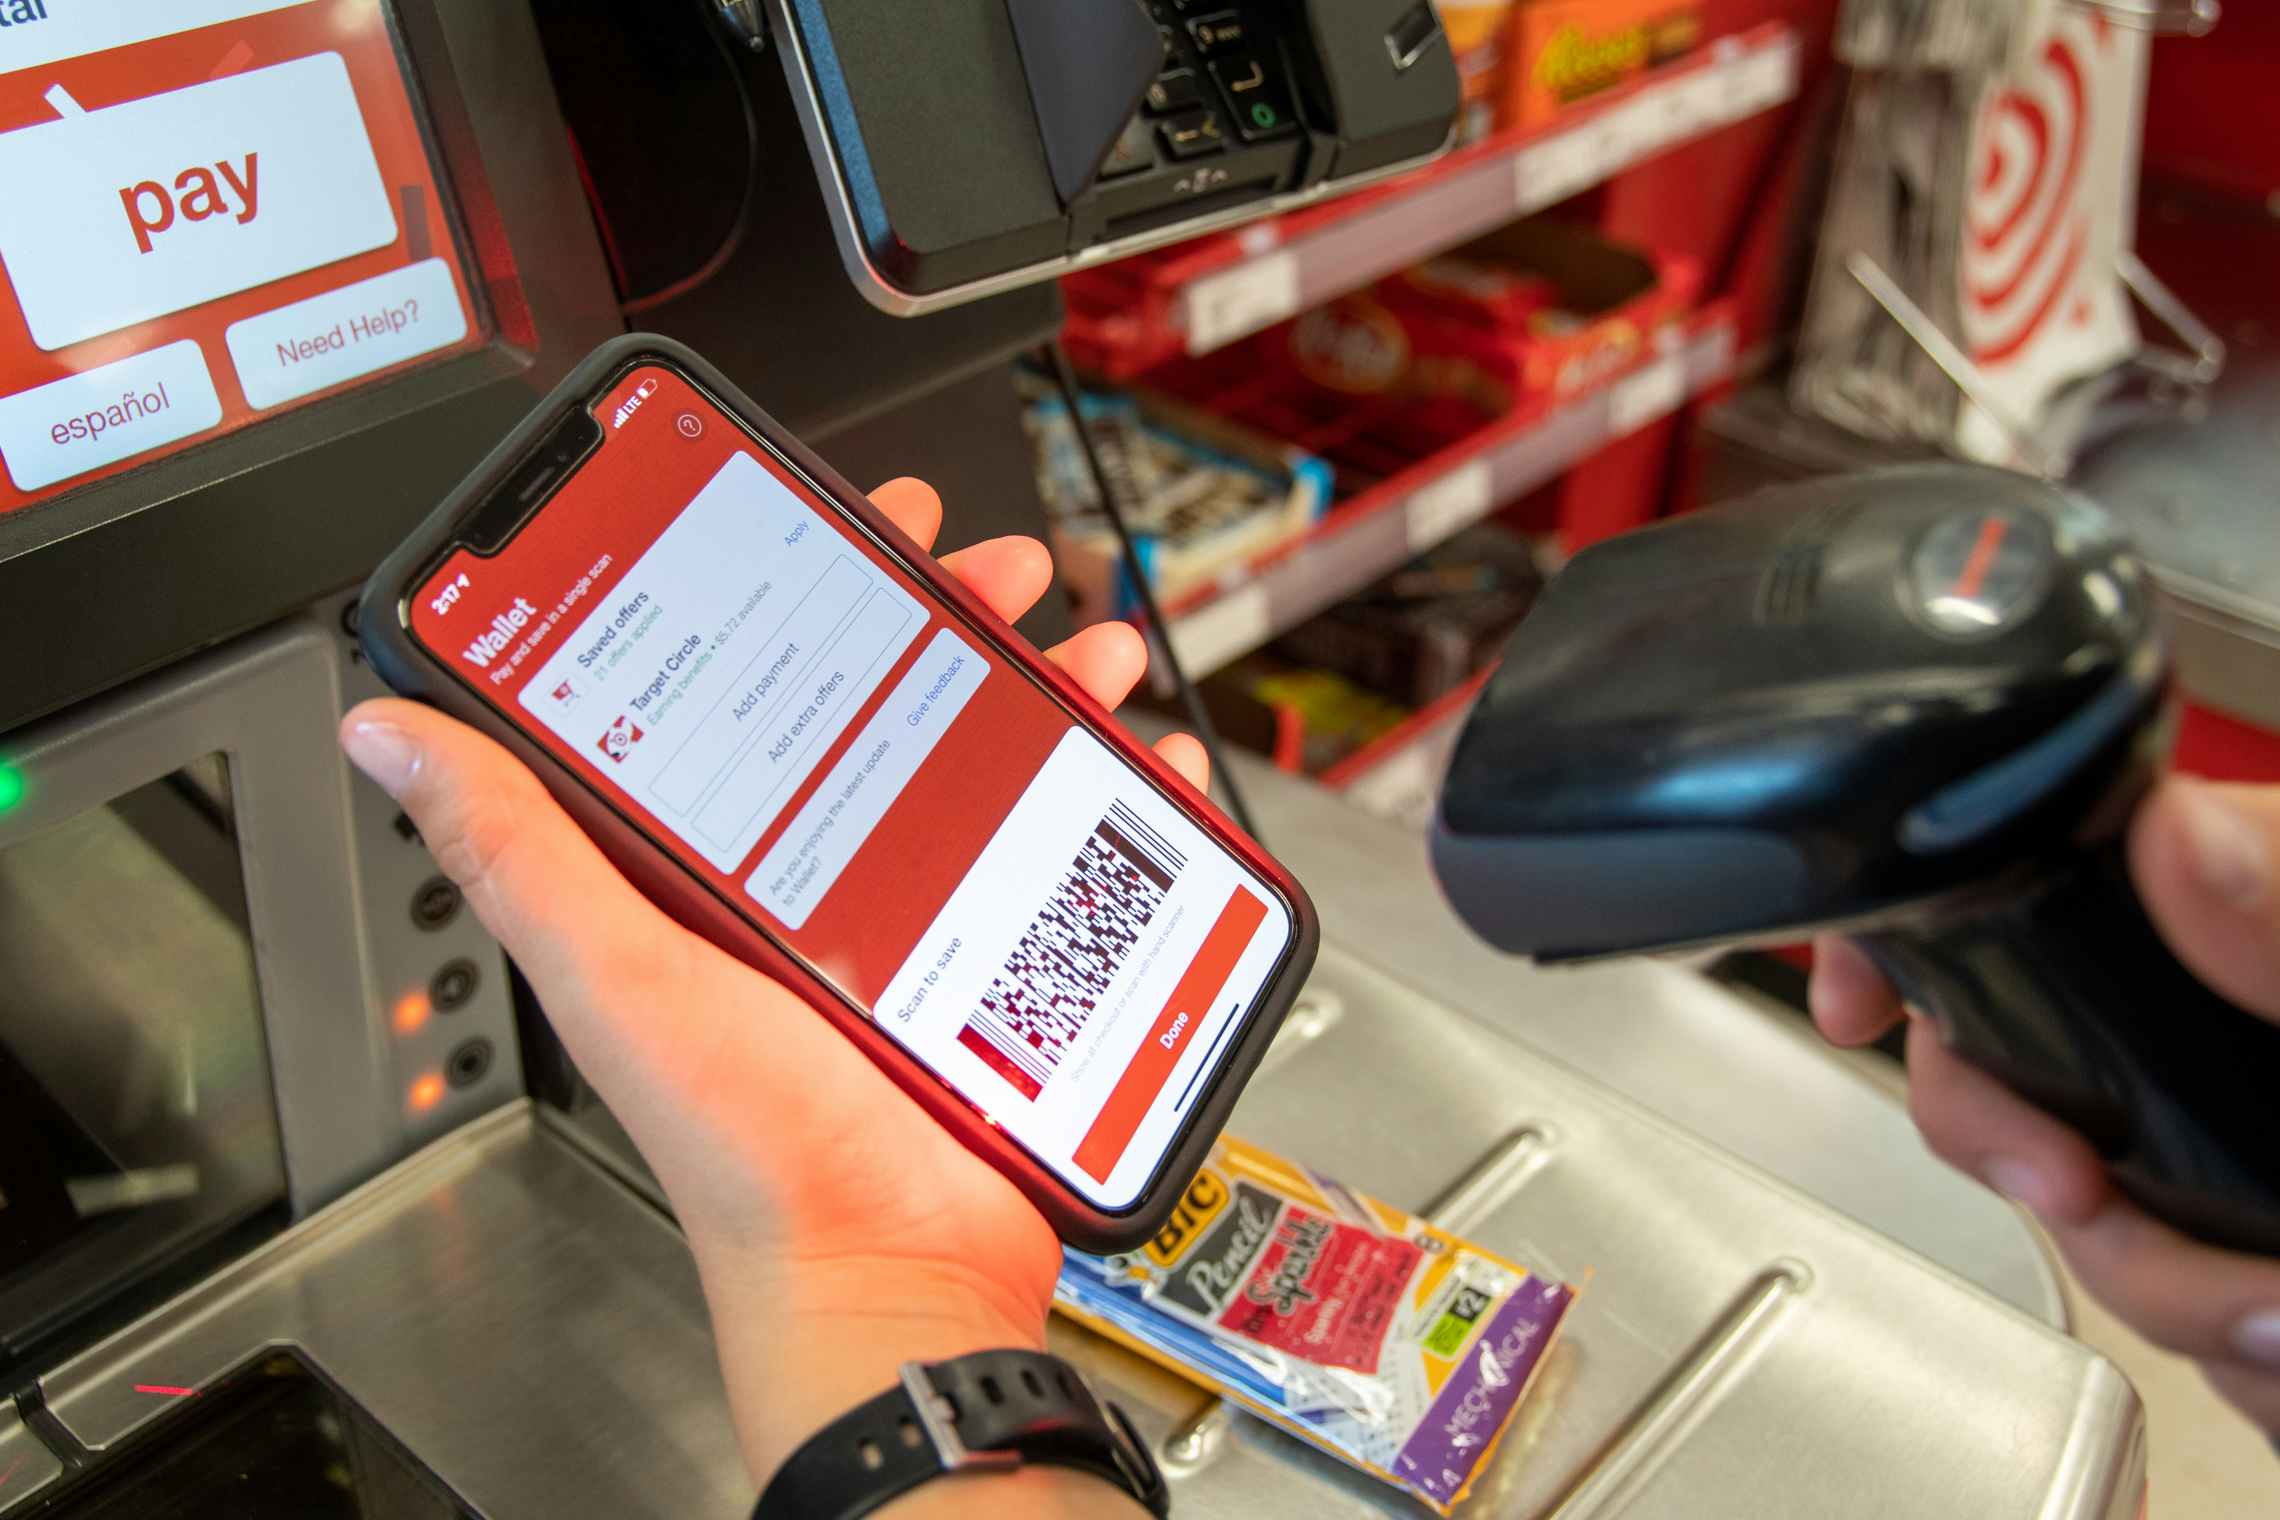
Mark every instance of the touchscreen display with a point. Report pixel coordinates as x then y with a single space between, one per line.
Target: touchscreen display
774 700
210 211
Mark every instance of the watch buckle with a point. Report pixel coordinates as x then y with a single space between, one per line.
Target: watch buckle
1132 1455
939 1420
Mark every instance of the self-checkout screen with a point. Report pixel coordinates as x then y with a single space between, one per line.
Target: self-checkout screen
211 211
776 702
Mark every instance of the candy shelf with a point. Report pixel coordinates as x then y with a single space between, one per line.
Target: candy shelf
1129 316
1373 533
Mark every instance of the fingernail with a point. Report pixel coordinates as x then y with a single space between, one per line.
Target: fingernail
2022 1184
2258 1337
385 753
2224 848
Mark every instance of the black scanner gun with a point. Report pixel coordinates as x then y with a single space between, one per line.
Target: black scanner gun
1919 705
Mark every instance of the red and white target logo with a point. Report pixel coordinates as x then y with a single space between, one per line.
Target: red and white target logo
617 741
2030 224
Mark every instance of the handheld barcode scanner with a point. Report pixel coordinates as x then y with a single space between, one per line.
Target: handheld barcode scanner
1917 704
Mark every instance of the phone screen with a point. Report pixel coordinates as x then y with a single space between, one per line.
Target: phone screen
760 686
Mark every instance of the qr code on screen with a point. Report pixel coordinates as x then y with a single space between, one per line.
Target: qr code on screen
1064 961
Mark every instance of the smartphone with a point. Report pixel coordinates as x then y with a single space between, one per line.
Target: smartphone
804 740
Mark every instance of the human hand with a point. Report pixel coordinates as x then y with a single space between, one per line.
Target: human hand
838 1229
2204 858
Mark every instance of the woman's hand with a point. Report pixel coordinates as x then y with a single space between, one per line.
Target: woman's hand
839 1230
2203 857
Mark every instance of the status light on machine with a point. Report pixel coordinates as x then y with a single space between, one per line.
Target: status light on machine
426 1092
11 786
410 1014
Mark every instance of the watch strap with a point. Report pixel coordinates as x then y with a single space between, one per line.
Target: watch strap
990 1410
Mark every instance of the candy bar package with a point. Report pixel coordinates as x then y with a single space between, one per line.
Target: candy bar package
1391 1344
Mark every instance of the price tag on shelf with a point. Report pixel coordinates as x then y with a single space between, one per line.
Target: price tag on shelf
1457 500
1557 167
1631 131
1765 77
1698 101
1652 392
1259 238
1234 303
1225 628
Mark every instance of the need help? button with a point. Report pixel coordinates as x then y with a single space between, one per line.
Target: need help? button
347 333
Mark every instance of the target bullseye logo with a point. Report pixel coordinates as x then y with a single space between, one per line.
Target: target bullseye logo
2028 222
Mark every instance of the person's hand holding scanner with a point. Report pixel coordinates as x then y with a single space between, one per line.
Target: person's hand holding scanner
2206 861
839 1230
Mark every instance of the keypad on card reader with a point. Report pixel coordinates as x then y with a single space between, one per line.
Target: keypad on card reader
1222 83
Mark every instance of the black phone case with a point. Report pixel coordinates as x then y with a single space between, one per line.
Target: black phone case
385 636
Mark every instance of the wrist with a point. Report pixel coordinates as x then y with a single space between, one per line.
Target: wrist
801 1344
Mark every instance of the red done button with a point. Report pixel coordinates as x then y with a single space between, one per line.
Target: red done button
1183 1014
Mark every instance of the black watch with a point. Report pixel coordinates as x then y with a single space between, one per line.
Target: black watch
989 1411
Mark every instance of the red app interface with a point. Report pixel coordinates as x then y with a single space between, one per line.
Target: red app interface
216 210
686 625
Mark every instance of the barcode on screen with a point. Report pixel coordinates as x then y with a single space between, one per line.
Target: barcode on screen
1061 966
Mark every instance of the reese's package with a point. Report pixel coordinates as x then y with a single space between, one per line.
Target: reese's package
1389 1343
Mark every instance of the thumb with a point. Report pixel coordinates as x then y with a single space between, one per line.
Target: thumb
588 942
2204 857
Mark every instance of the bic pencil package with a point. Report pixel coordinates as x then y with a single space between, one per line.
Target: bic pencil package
1391 1344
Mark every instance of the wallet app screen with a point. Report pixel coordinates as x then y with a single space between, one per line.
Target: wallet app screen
773 698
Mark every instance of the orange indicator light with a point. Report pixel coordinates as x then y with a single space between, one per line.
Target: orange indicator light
411 1013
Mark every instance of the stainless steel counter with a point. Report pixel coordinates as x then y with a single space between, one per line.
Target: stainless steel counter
26 1466
532 1328
1738 1351
525 1324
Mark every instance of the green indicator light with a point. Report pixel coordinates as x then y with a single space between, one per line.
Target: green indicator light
1263 114
11 786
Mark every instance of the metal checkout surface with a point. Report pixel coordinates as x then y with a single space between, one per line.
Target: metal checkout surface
293 1181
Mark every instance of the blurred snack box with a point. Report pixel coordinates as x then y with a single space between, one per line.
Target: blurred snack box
1303 719
1478 35
1352 381
1571 306
1475 292
1362 345
1380 379
1426 629
1559 53
1201 494
1320 717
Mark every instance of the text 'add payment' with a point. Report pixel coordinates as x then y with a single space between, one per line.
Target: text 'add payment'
136 210
724 664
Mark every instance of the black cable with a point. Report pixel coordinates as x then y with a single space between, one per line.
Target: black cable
1056 362
733 238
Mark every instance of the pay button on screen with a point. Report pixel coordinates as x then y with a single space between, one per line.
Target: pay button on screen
117 215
